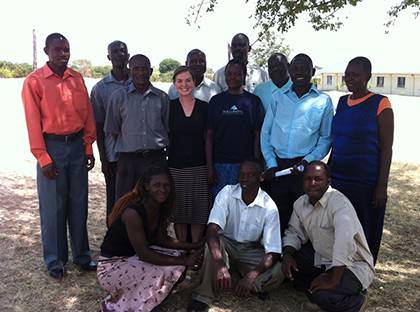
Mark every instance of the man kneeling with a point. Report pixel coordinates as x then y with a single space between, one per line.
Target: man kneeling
244 230
325 251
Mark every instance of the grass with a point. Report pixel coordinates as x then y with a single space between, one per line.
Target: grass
26 286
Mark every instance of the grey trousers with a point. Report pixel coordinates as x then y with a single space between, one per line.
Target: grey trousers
243 258
62 202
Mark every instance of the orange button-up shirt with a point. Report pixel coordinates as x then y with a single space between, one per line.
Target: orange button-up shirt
56 105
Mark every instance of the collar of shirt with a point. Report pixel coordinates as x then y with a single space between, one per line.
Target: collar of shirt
132 88
286 87
111 79
258 201
322 202
47 72
312 89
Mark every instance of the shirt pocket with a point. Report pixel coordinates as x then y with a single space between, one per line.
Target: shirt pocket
253 232
312 119
80 102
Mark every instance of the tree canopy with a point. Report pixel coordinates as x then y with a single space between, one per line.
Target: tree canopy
267 44
168 65
282 14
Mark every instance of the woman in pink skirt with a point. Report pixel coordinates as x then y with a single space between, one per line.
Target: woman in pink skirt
139 262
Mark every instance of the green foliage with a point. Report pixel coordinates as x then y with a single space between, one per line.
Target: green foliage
100 71
168 65
266 45
82 66
14 70
282 14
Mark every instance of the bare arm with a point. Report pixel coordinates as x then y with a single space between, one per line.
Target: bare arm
137 237
223 279
386 139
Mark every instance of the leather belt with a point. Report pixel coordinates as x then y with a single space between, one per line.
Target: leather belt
64 138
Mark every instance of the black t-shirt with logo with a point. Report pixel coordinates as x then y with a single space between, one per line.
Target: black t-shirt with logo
235 120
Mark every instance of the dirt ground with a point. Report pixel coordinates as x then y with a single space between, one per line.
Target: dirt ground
26 286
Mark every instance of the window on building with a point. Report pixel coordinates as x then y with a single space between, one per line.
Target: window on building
329 80
380 81
400 82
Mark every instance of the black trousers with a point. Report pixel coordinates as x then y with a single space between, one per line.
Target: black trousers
110 184
346 297
131 166
285 190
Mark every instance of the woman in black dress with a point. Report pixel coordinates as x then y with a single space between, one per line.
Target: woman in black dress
187 161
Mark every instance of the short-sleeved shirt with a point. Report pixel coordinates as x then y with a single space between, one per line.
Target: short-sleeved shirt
257 222
186 135
234 119
99 96
141 121
335 232
204 91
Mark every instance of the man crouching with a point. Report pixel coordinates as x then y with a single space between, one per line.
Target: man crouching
244 230
325 250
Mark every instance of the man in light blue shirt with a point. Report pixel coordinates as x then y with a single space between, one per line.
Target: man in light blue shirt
296 130
204 87
278 70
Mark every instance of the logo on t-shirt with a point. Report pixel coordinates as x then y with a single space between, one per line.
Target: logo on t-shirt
234 110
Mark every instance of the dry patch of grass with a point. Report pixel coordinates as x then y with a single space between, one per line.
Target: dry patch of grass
27 287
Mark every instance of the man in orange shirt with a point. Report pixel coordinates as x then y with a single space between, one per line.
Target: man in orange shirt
61 130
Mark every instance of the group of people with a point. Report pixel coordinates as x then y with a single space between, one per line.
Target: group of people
234 163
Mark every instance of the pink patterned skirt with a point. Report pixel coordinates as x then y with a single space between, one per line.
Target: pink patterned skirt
134 285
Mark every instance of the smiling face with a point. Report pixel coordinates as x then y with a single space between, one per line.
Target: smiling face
140 71
159 188
118 54
184 83
301 71
315 182
356 78
58 51
234 75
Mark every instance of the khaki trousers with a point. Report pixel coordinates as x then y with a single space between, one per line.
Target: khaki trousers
242 257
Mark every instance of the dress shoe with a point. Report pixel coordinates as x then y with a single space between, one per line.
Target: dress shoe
88 266
56 273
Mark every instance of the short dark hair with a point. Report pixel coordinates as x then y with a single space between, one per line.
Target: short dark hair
318 163
235 61
139 56
182 69
195 51
241 35
303 56
115 42
255 162
51 37
364 62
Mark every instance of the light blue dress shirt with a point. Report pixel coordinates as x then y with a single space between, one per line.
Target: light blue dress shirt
265 92
295 127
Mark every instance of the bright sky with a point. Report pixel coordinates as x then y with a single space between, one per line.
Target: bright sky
157 28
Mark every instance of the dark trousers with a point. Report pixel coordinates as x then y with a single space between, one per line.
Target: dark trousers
131 166
285 190
346 297
371 219
110 184
63 202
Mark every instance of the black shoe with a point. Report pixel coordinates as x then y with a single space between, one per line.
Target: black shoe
56 273
197 306
89 266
